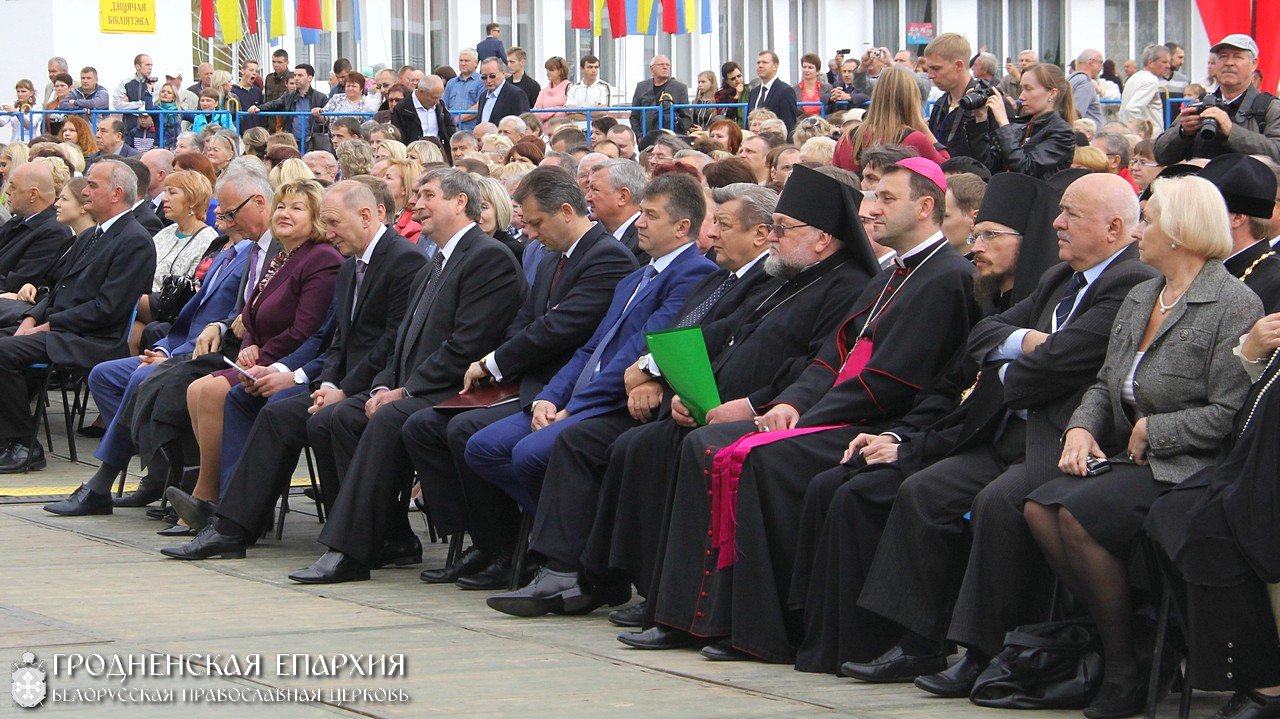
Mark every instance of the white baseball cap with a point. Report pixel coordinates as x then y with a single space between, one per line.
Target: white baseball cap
175 72
1239 41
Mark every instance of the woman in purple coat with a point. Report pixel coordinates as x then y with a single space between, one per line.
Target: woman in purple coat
288 305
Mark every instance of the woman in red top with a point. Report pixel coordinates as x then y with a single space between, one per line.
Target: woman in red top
812 87
895 117
400 176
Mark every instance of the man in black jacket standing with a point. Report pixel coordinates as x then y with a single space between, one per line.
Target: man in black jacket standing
660 90
371 302
303 99
570 295
947 61
423 115
82 321
771 93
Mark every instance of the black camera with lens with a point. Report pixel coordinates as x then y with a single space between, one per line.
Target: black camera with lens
1208 126
977 97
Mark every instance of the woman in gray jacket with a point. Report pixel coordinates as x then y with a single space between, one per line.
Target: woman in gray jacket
1160 410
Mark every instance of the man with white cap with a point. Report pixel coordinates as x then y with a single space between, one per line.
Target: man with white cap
187 100
1235 116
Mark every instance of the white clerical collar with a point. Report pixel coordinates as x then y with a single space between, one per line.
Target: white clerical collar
921 247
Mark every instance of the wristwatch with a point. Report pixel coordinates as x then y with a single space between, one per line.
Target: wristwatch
646 365
299 377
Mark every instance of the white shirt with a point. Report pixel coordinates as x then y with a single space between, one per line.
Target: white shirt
452 244
1143 99
107 225
597 94
765 89
426 116
622 229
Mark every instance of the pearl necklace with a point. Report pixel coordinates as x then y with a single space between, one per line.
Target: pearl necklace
1164 308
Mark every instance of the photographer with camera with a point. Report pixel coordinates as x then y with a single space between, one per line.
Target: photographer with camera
1040 142
952 119
1235 117
136 93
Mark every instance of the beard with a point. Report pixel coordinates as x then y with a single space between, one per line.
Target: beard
986 288
781 267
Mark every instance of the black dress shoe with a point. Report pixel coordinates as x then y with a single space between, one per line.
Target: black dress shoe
148 491
661 636
82 502
332 568
473 560
1115 701
723 651
956 682
495 576
1249 705
548 592
159 513
177 530
400 553
195 512
632 616
208 543
15 460
93 431
894 665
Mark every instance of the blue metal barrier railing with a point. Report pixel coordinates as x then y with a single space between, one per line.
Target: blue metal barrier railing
588 111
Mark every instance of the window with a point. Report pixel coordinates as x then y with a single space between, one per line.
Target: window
344 25
1019 32
758 38
439 31
1117 15
991 27
1146 24
919 11
524 14
732 44
397 34
812 40
886 24
417 54
1177 23
1050 23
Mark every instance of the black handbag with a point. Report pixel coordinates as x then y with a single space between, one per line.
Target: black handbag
1052 665
175 290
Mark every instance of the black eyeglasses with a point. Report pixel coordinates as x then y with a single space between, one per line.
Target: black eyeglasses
781 230
491 76
229 216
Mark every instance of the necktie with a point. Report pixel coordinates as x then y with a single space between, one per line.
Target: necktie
252 269
361 268
1062 312
593 364
697 314
555 276
764 90
433 274
93 239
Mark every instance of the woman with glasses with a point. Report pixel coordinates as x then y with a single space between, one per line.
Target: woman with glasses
1143 167
1041 142
1159 412
733 89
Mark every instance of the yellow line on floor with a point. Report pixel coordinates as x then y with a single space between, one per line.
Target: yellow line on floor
68 489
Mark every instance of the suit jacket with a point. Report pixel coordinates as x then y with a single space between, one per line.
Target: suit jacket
654 308
781 99
146 216
631 238
1188 384
281 316
1259 268
1048 382
511 100
214 300
365 325
552 324
491 47
309 356
273 248
29 249
90 306
447 327
405 118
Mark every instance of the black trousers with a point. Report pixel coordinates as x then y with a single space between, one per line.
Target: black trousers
457 498
16 354
920 563
571 490
370 509
267 462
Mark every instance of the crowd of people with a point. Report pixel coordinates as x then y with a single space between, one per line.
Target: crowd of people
978 351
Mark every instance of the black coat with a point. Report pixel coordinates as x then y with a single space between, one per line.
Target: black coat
29 249
405 118
146 216
631 239
88 309
956 129
511 100
363 342
462 318
551 326
781 99
1048 150
1259 267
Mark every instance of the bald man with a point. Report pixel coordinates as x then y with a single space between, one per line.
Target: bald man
160 162
423 116
370 299
32 240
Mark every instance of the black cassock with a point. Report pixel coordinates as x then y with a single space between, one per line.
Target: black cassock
1219 528
916 318
1258 266
762 355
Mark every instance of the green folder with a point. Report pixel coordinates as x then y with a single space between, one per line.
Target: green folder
681 355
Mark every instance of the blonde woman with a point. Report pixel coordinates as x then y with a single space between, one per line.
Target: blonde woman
58 168
809 127
494 148
401 176
355 157
11 155
291 170
819 150
424 152
1091 159
392 148
220 148
895 117
495 214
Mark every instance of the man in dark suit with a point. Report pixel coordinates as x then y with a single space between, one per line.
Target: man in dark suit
571 291
1045 352
773 94
159 162
110 137
500 98
82 321
513 452
370 304
33 239
491 45
613 196
143 211
458 310
303 99
423 115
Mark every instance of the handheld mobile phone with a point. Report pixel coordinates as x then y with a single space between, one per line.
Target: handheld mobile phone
1095 466
231 363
